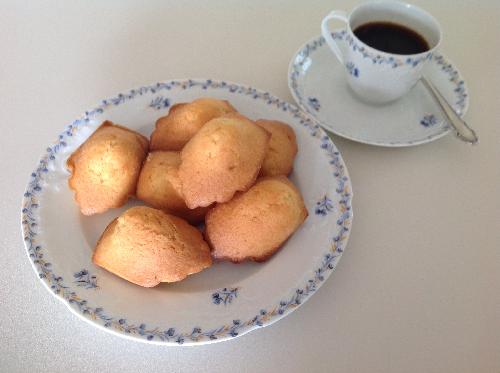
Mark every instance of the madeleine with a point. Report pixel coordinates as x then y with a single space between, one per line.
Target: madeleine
174 130
224 157
254 224
159 186
147 246
282 148
105 168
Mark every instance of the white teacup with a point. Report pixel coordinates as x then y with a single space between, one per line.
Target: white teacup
376 76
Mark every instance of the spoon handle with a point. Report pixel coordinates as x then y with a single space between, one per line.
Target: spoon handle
462 129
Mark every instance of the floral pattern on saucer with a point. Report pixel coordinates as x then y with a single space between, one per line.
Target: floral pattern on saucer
429 120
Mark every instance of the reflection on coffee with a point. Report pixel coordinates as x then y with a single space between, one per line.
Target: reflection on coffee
391 38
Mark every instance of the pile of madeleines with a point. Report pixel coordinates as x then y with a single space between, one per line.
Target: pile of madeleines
205 162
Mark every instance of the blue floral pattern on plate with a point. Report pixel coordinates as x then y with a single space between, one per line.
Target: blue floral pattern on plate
159 103
324 206
85 279
63 290
225 296
314 103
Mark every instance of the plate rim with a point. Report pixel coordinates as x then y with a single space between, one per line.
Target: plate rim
328 127
94 315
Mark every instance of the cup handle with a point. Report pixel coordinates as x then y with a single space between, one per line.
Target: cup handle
335 14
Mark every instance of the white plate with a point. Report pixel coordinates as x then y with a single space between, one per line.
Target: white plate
224 301
318 85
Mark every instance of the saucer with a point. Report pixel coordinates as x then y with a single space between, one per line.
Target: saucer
317 83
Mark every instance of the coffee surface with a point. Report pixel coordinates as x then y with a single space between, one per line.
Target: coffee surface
391 38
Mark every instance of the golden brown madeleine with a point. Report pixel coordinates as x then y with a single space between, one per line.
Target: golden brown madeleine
224 157
254 224
159 186
147 246
105 168
173 131
282 148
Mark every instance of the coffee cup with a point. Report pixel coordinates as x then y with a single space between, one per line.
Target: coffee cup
394 62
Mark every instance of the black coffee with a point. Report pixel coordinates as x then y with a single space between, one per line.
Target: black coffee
391 38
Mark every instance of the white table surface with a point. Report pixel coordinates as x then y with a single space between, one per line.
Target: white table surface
418 289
